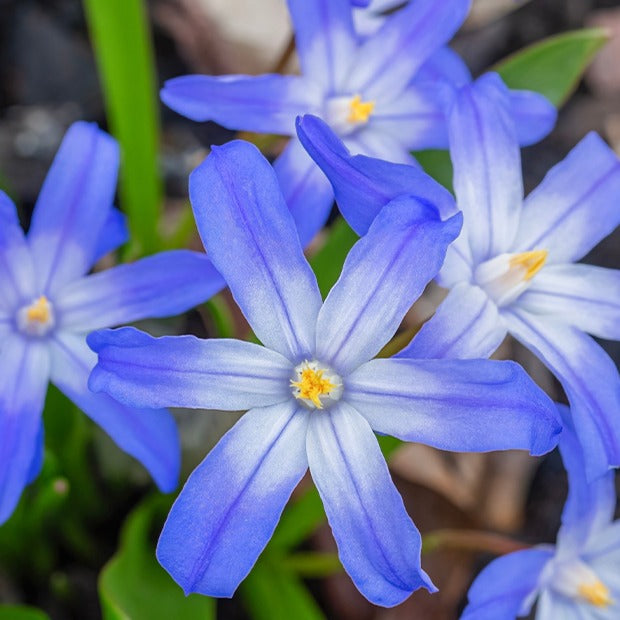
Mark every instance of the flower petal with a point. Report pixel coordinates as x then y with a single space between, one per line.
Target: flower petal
452 404
583 296
113 234
73 206
575 206
306 190
505 585
363 185
534 116
250 237
165 284
384 273
264 103
184 371
149 435
325 39
487 165
24 374
589 378
17 279
378 544
466 325
231 504
444 65
388 60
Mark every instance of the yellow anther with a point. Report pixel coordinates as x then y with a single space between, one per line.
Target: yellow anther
595 593
39 311
360 111
312 385
531 261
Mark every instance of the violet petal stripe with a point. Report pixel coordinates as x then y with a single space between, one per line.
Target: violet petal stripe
250 237
149 435
378 544
185 371
210 546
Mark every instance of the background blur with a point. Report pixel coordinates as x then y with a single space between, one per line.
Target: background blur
52 551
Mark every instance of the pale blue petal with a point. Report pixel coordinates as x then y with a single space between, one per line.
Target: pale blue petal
534 116
384 273
24 375
113 234
487 166
250 237
378 544
325 39
589 378
231 504
375 141
444 65
466 325
39 455
388 60
584 296
165 284
306 190
363 185
264 103
185 371
575 206
501 589
149 435
73 206
452 404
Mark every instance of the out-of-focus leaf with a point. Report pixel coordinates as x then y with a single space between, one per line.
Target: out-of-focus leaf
553 66
327 262
272 593
19 612
133 586
300 518
313 564
437 164
123 50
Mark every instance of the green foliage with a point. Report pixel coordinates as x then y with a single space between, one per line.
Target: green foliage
553 66
123 50
133 586
17 612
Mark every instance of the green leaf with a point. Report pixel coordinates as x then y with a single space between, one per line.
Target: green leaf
123 51
300 518
327 262
553 66
437 164
133 586
272 593
19 612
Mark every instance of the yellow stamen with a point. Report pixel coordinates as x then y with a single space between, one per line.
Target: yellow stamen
360 111
532 261
39 311
595 593
312 385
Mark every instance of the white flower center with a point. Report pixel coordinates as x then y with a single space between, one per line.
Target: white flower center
347 113
577 581
317 386
37 318
506 276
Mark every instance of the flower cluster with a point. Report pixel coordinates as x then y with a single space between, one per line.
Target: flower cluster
315 390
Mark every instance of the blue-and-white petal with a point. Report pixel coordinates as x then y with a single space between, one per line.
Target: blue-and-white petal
185 371
231 504
250 237
73 206
384 273
378 544
452 404
575 206
149 435
165 284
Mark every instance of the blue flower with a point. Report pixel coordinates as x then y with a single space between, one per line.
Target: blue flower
313 391
577 579
48 305
363 89
511 270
